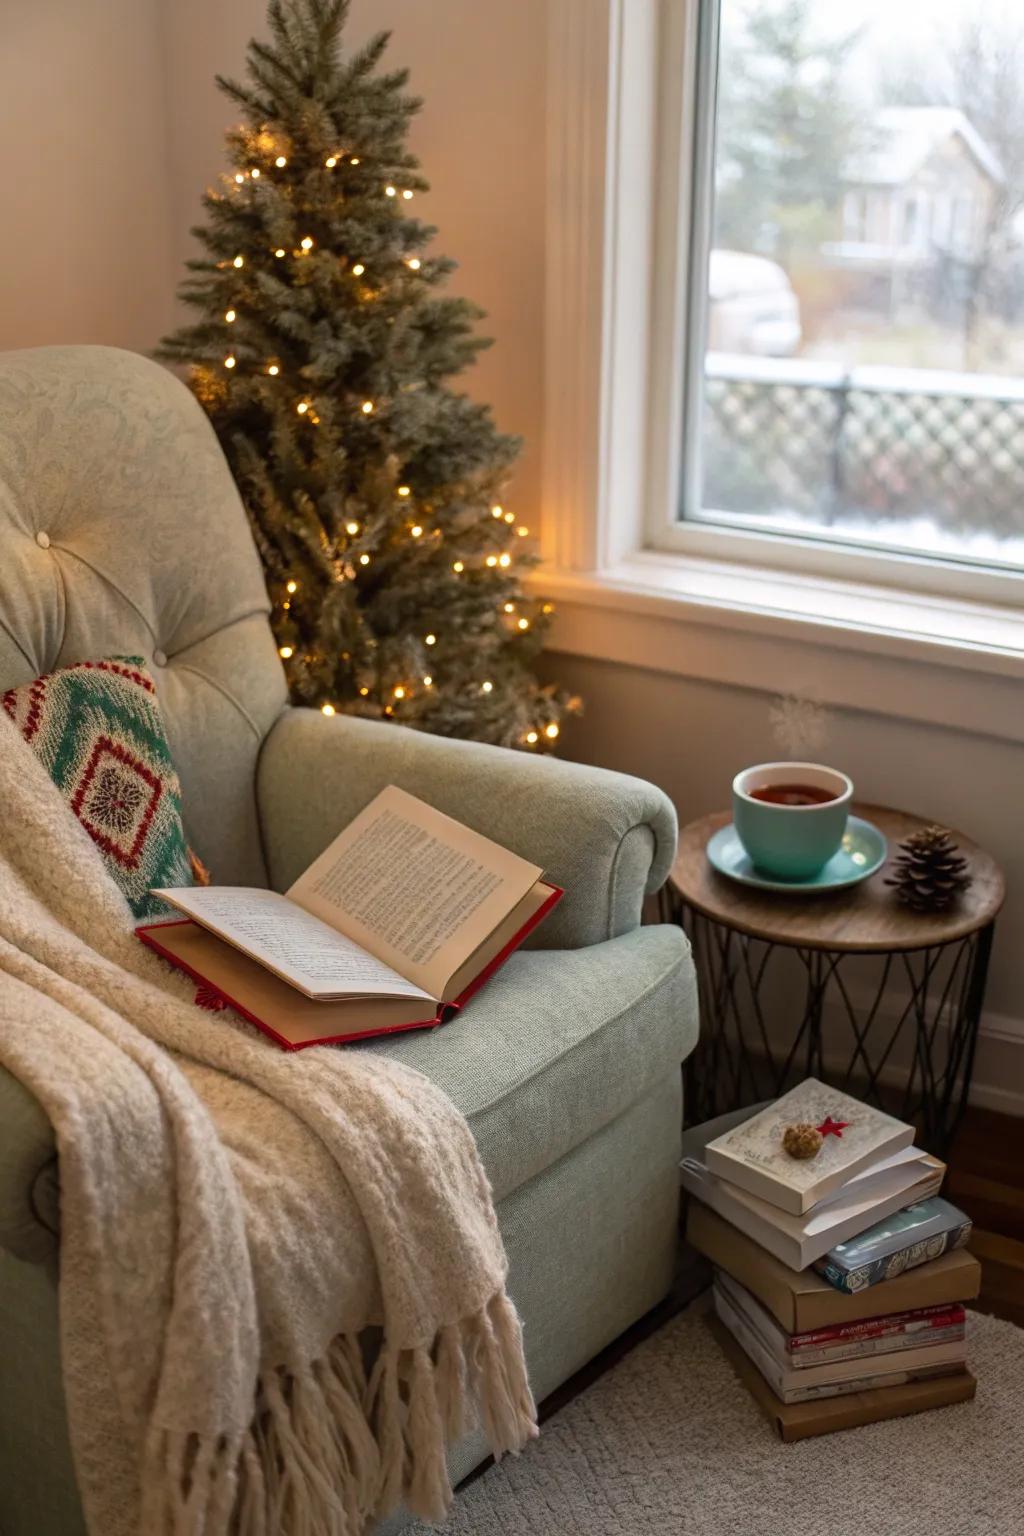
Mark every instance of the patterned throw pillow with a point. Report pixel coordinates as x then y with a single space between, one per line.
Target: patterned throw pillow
97 729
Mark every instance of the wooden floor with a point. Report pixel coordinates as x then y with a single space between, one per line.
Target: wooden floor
986 1179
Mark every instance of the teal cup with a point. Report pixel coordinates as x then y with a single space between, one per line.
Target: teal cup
790 841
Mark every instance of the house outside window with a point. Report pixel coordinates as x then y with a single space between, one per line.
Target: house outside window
856 281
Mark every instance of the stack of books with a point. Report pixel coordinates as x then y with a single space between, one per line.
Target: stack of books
840 1275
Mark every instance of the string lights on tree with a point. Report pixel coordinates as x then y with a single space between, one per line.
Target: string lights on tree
374 488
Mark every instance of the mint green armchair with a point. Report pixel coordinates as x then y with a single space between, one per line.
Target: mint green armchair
566 1064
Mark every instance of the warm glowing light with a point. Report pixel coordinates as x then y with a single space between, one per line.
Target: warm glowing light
407 194
510 517
403 490
430 640
292 586
327 709
399 692
548 608
416 531
352 528
491 560
280 162
510 607
367 407
524 623
273 370
427 681
239 178
458 566
354 160
285 651
551 731
486 687
239 261
306 242
358 269
254 173
504 560
531 737
280 252
413 263
364 559
331 162
497 511
302 407
364 692
390 191
229 315
229 362
522 531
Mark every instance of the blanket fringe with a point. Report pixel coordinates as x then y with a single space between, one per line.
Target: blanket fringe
330 1449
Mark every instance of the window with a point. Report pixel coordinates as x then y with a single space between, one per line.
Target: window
852 368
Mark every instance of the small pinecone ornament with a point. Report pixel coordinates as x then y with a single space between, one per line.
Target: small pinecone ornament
930 872
802 1141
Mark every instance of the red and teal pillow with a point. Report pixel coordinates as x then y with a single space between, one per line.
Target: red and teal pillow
97 729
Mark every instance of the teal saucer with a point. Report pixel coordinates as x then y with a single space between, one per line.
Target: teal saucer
862 852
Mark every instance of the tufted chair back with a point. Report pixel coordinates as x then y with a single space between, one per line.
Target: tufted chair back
121 532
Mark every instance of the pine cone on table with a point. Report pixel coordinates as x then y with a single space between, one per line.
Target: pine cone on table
930 872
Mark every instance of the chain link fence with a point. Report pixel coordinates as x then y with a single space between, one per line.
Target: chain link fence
882 445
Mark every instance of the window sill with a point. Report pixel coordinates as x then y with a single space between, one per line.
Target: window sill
906 654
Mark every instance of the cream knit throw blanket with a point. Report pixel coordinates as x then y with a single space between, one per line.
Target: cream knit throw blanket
232 1219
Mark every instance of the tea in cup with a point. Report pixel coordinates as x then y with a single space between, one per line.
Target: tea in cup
791 817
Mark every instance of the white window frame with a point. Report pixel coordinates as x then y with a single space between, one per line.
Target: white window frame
626 134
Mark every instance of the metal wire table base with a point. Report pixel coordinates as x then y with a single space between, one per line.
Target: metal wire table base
902 1038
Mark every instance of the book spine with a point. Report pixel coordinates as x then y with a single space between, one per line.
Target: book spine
882 1344
776 1377
942 1314
871 1383
865 1275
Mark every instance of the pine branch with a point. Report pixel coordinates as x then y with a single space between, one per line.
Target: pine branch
257 106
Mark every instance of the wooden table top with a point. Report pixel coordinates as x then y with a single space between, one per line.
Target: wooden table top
865 917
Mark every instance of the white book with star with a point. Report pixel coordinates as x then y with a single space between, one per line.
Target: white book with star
851 1137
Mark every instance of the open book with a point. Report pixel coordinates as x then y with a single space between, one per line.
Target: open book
397 922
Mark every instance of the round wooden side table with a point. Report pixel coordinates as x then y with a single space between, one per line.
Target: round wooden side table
875 998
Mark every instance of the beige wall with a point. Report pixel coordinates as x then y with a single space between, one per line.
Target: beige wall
85 228
113 126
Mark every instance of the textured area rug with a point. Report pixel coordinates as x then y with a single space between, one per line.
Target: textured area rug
669 1443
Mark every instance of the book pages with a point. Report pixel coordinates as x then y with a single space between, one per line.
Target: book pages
291 942
416 889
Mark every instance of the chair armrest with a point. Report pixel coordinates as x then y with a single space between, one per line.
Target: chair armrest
29 1192
606 838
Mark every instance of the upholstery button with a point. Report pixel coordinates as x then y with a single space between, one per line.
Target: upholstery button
159 658
43 540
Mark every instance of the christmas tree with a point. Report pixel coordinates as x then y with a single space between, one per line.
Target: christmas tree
323 355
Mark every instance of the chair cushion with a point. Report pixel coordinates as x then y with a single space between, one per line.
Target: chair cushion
97 729
558 1044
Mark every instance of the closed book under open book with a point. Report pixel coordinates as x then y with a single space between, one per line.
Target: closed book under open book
395 925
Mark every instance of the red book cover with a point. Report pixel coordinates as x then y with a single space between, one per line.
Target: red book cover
292 1020
920 1320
